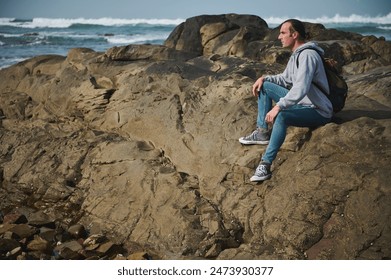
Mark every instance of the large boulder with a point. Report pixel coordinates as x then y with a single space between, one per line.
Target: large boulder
217 34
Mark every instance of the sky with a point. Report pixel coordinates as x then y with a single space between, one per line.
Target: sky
174 9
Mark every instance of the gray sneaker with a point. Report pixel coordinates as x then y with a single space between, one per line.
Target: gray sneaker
260 136
262 172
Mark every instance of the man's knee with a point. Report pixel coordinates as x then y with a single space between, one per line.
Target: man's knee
267 85
281 117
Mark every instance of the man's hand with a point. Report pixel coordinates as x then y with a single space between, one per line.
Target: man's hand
271 115
257 86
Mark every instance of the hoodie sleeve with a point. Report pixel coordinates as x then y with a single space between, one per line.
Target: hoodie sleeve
282 79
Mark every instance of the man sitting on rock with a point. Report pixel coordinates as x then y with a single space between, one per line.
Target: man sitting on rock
298 102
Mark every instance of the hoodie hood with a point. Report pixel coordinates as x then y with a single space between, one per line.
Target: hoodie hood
312 45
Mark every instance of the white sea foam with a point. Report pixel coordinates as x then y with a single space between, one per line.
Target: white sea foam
135 39
6 62
9 35
4 21
336 19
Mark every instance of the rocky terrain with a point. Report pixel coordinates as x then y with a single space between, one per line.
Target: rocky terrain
134 152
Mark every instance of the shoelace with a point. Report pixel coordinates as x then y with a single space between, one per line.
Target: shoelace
252 136
261 169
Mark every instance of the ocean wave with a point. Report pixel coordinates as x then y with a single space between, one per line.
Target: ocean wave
66 23
7 61
135 39
5 21
337 19
48 34
9 35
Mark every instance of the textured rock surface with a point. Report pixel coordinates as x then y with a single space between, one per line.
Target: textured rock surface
141 143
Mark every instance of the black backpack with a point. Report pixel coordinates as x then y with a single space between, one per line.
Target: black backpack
337 85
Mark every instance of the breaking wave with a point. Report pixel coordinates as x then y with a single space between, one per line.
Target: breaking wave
337 19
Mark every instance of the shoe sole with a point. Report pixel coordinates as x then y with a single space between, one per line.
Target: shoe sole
247 142
259 179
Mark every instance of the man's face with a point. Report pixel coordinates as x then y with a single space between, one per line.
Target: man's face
286 37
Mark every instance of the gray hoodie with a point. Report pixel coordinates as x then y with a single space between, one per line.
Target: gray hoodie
299 80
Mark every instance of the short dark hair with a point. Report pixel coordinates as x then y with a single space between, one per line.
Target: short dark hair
298 26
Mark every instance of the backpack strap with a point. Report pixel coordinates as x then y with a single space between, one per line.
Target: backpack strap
323 62
307 48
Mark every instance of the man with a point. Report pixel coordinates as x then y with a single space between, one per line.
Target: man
298 102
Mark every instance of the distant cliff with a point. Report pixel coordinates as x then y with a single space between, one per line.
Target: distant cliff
141 142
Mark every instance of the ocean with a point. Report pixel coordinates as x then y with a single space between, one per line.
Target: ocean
23 39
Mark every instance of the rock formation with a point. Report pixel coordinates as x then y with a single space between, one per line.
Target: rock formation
140 144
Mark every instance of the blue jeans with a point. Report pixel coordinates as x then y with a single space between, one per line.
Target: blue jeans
297 115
